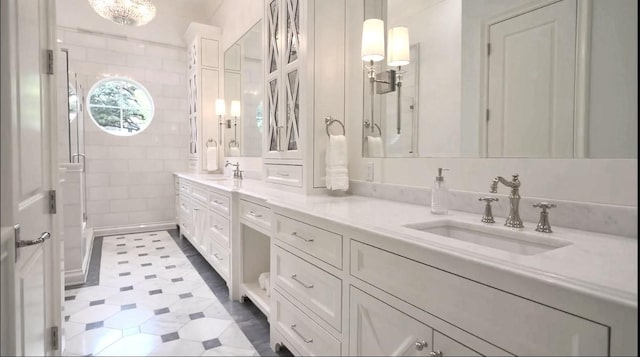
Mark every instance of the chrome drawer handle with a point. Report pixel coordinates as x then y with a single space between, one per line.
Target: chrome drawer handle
253 214
295 234
217 256
283 174
217 202
218 227
25 243
436 353
295 277
307 340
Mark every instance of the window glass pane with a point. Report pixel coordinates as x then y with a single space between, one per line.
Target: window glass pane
120 106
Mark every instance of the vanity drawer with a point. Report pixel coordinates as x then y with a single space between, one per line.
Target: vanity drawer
515 324
184 187
320 291
199 194
254 213
219 203
319 243
290 175
218 229
306 336
219 258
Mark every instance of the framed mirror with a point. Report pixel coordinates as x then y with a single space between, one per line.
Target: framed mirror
495 78
243 93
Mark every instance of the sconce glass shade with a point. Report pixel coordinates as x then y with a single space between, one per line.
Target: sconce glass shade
235 108
220 107
125 12
372 40
398 50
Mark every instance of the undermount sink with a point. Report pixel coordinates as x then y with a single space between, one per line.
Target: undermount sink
220 178
512 241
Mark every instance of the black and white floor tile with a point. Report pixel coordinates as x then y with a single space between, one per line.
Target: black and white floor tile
156 296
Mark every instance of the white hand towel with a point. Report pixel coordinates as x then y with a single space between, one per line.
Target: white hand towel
261 280
212 158
267 283
337 168
234 151
374 146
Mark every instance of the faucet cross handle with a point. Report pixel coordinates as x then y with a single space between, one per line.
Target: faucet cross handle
543 223
487 217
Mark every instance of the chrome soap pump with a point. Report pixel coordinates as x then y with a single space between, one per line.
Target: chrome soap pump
440 195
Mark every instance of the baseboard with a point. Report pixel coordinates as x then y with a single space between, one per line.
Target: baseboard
75 277
106 231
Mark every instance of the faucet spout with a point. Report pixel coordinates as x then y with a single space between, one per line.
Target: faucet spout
513 220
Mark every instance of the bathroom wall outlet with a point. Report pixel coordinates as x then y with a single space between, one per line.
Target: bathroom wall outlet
370 171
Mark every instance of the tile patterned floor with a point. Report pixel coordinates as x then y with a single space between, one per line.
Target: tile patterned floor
155 297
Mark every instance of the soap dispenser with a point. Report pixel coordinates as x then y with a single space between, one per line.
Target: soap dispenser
440 195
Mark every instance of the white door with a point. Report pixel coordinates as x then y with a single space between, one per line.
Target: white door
31 286
531 83
378 329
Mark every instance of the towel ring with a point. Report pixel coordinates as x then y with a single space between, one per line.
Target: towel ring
328 120
367 124
233 143
212 141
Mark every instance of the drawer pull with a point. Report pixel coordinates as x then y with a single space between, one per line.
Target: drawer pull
283 174
295 234
218 227
436 353
295 277
420 345
218 256
217 202
255 215
307 340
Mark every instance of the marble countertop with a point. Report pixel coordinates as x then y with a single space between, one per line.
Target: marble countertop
600 264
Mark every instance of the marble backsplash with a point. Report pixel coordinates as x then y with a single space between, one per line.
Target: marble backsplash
601 218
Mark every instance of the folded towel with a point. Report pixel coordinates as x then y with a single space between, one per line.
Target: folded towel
374 146
261 280
212 158
234 151
267 284
337 168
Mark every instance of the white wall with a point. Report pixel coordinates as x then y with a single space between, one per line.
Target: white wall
129 179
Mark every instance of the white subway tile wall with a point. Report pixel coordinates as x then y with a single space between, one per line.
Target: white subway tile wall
129 179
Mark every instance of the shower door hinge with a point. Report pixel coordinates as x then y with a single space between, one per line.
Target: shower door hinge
54 338
49 54
486 114
488 48
52 202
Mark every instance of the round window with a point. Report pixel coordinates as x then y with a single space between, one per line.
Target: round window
120 106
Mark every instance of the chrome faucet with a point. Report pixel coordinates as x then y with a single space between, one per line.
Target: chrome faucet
513 220
236 172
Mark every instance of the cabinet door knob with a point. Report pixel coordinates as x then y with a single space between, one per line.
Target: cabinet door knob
435 353
420 345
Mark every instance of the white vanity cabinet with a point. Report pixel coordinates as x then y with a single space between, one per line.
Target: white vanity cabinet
304 82
204 59
204 219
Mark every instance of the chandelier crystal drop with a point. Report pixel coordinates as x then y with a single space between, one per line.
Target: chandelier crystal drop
125 12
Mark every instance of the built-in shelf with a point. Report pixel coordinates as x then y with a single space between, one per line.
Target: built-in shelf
258 297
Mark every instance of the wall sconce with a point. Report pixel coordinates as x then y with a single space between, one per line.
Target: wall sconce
398 55
372 50
220 112
235 113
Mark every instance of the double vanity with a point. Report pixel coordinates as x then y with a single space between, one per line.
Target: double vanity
358 275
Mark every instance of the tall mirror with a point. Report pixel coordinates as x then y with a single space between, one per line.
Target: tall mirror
504 78
243 93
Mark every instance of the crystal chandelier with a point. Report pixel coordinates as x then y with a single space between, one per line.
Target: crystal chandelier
125 12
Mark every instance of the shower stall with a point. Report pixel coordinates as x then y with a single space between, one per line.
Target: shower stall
76 235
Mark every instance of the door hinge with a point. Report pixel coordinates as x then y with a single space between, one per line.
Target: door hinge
488 48
54 338
52 202
486 114
49 54
16 239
